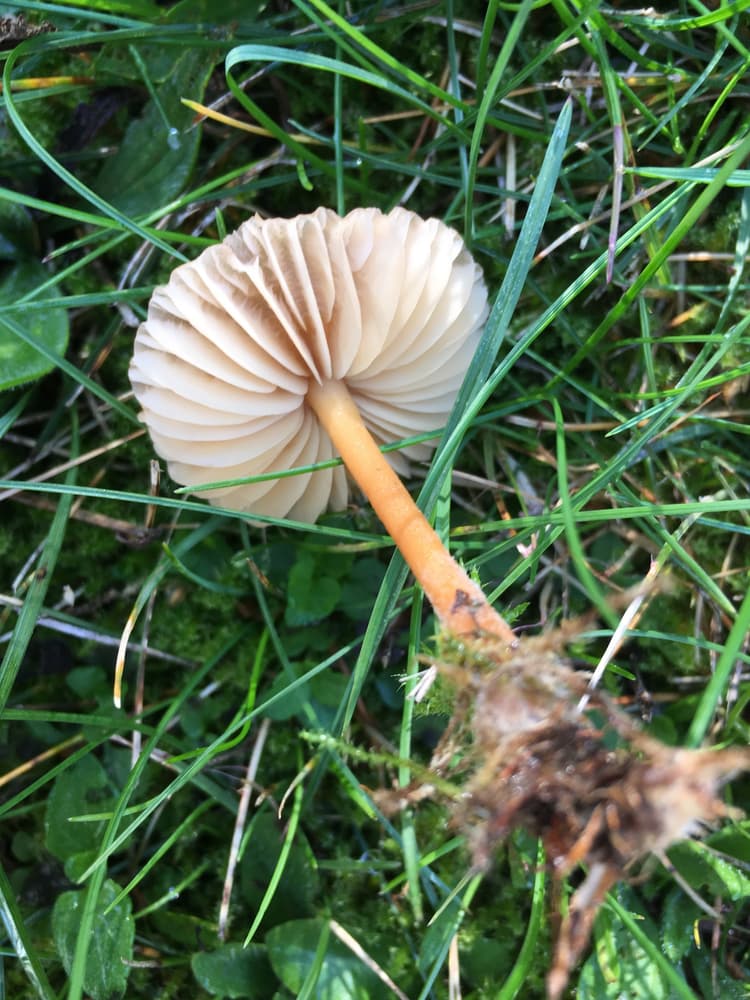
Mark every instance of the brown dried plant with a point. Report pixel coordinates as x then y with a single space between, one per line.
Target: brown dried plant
532 747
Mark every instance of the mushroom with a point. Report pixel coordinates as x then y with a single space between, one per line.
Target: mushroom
295 339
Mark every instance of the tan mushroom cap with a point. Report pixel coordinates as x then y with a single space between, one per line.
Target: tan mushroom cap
392 305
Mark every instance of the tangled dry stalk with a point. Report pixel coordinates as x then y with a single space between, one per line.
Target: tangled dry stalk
599 792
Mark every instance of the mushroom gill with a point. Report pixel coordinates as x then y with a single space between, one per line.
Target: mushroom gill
391 305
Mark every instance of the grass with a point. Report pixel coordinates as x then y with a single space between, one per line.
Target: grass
595 161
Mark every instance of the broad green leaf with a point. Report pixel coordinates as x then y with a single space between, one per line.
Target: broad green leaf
115 61
292 949
89 682
708 873
81 789
311 595
680 913
243 13
111 944
18 235
361 588
485 959
180 928
234 971
19 362
158 150
327 692
619 966
733 840
290 703
133 8
715 981
299 882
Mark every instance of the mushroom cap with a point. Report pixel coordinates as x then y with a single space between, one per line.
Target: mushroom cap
392 304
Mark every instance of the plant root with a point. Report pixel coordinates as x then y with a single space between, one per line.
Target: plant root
595 788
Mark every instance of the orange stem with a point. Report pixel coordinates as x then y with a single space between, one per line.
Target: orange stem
458 602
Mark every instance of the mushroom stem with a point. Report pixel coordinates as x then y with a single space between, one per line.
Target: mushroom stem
458 602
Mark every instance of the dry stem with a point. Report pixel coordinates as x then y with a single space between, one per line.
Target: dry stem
596 788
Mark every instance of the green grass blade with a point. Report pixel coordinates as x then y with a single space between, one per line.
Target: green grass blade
20 940
473 392
688 220
273 882
519 974
716 687
489 96
295 57
37 591
677 982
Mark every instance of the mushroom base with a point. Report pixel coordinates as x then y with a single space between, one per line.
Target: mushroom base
591 784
